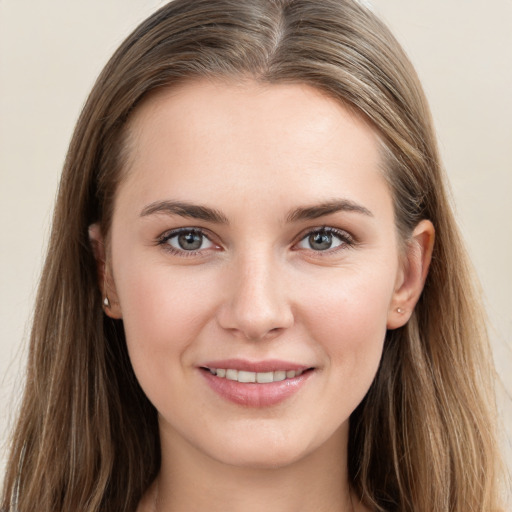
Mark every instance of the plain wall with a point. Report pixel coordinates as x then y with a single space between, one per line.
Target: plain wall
51 52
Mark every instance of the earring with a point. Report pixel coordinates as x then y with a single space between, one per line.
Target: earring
399 311
106 300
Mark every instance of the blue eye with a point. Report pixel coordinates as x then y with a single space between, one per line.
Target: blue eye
325 239
186 240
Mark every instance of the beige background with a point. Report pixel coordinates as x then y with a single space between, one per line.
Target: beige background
51 52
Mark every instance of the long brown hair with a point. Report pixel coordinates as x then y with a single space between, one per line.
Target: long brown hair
421 440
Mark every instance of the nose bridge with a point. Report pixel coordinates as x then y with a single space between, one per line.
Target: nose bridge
257 303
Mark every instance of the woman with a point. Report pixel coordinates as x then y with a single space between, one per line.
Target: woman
243 305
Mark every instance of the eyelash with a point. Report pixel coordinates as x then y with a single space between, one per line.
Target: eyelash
347 240
164 239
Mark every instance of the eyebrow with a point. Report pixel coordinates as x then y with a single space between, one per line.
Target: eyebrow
184 209
193 211
327 208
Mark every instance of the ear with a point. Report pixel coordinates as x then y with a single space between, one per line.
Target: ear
106 283
412 276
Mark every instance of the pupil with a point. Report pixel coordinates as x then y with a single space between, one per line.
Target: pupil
320 241
190 241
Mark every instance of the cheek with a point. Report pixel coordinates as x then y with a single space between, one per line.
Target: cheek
348 323
163 313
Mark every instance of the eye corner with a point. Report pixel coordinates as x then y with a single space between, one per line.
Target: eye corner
328 233
196 248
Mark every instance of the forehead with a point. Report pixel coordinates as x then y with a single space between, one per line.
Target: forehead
244 105
251 138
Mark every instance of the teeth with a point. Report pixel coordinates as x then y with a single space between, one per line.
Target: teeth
259 377
232 374
246 376
265 377
279 375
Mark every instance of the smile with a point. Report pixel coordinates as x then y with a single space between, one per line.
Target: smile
250 384
254 377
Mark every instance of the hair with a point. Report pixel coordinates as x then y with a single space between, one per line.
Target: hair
423 437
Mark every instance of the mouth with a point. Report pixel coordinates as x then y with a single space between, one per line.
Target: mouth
260 384
248 377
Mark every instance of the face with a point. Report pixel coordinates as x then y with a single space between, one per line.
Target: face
253 239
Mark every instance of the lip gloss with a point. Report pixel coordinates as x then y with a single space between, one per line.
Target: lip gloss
252 394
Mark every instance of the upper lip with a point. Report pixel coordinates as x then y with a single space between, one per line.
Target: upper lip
269 365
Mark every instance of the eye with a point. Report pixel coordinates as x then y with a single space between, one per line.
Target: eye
186 240
325 239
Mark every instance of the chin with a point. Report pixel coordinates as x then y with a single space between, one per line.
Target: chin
262 452
257 460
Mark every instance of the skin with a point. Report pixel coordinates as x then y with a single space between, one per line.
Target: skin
257 289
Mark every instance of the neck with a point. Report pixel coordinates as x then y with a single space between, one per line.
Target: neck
191 480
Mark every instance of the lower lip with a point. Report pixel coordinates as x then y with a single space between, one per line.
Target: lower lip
256 395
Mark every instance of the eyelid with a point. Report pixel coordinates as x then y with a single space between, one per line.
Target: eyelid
171 233
347 238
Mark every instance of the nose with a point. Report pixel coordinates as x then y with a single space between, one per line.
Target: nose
256 303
